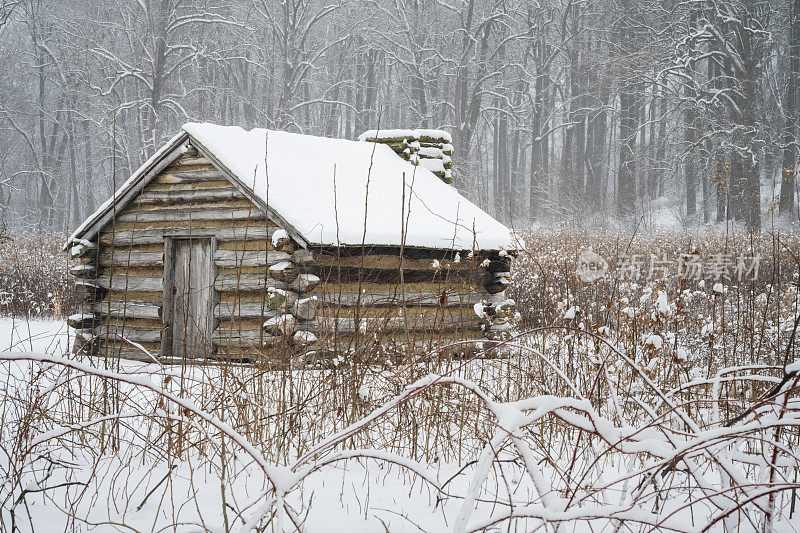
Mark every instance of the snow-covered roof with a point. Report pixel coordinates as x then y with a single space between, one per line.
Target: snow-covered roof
321 186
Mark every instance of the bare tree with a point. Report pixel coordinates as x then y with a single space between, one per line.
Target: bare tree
560 110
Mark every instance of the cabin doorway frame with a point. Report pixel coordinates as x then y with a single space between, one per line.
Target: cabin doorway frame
174 342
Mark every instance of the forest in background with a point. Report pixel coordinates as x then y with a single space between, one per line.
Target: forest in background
584 113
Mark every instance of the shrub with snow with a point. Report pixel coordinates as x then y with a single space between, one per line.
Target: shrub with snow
34 277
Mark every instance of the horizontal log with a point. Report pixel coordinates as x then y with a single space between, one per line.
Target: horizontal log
262 358
121 258
246 310
84 271
494 285
185 228
131 283
249 245
83 333
446 148
254 282
153 297
304 337
396 288
190 195
187 160
305 308
467 313
392 261
156 236
244 296
283 324
378 299
125 248
134 271
395 141
304 283
86 291
82 320
128 309
493 298
328 325
303 257
232 258
157 185
333 274
83 344
174 175
414 314
409 252
260 270
240 213
243 337
225 323
85 309
130 333
123 350
272 299
131 238
82 249
116 341
246 282
133 322
285 271
222 334
424 340
189 205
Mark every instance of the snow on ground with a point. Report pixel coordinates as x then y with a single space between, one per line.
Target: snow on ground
125 486
358 498
33 335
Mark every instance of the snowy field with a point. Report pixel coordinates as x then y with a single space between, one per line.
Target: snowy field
155 449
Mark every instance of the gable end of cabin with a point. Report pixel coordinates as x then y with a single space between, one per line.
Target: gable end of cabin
188 267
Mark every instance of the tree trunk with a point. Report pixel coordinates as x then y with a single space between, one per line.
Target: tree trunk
536 150
789 166
690 163
626 175
89 185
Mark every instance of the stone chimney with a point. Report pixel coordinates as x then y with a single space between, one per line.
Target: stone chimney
430 148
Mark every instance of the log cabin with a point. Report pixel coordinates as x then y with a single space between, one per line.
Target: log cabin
230 244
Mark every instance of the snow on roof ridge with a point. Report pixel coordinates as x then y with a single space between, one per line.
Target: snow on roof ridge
400 133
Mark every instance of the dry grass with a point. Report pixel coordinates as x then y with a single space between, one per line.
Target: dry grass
748 322
34 277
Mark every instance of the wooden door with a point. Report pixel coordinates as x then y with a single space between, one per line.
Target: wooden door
192 283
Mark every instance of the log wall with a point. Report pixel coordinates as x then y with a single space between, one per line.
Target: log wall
365 295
